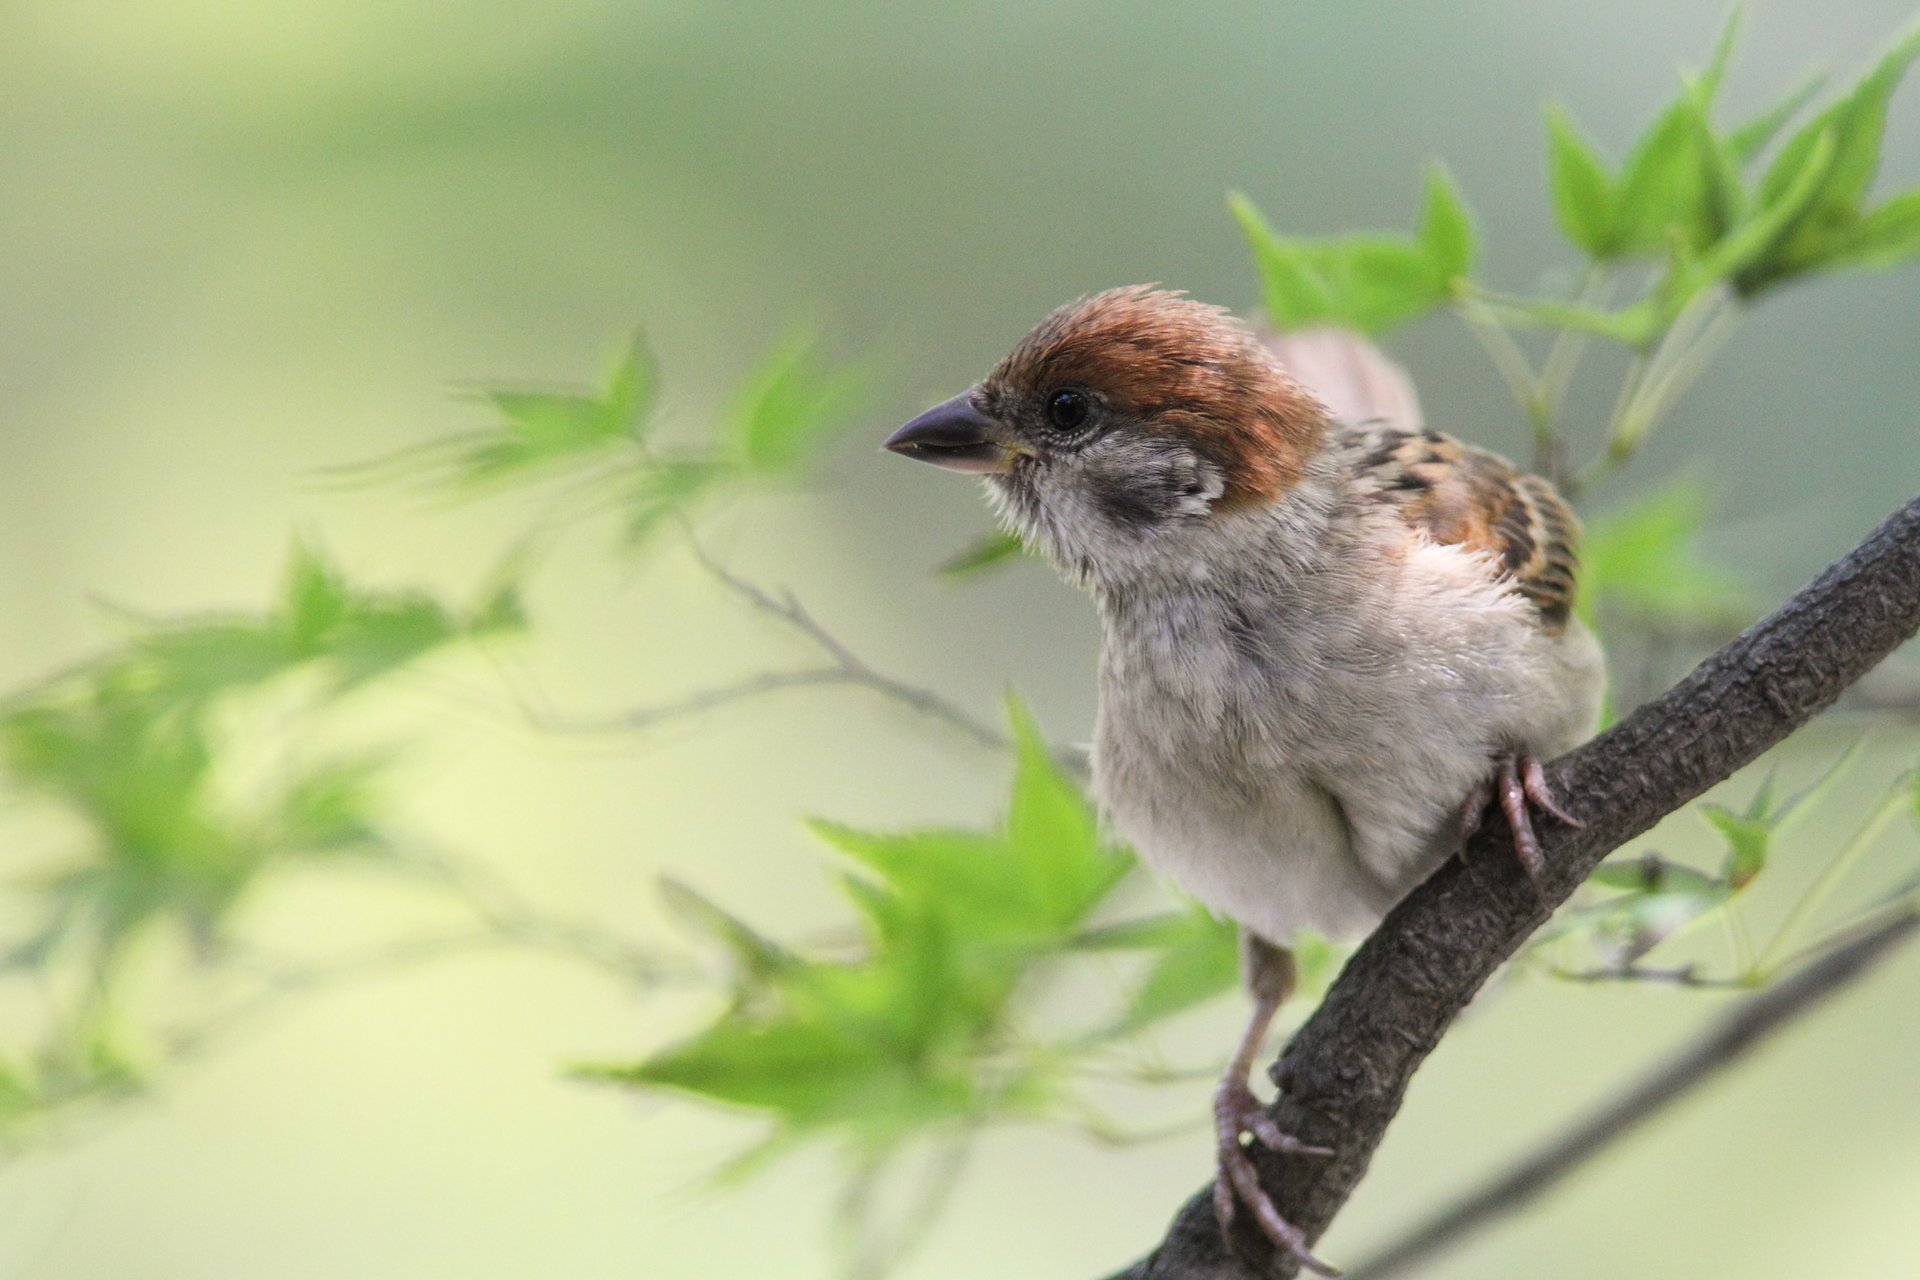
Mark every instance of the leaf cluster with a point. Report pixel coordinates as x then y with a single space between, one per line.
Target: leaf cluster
1652 899
1704 205
1370 283
139 750
598 447
1696 199
919 1026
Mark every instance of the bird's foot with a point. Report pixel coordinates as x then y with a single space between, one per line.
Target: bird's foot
1518 785
1236 1111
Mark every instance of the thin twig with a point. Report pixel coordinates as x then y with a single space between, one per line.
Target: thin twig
1684 976
508 917
654 715
1750 1025
846 668
1507 357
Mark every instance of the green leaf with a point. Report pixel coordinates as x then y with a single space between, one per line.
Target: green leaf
1372 283
1660 898
333 806
1381 283
1716 69
789 405
192 663
995 549
1031 884
810 1073
1756 239
1851 128
1662 190
632 387
1749 840
315 597
1643 558
1723 199
1197 958
662 489
759 957
1028 886
540 431
1751 138
1052 829
1445 231
1584 199
1651 873
1295 295
1882 237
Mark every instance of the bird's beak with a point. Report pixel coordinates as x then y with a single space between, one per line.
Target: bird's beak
955 435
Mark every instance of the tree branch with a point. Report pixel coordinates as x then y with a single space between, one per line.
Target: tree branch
1751 1024
1344 1074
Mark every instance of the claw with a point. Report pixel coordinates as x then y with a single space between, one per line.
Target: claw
1237 1186
1533 779
1513 802
1519 785
1473 811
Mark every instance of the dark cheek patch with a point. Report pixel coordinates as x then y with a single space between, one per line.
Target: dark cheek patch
1130 503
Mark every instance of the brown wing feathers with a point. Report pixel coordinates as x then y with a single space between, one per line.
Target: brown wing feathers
1459 495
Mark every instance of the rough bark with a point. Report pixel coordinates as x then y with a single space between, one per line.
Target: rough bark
1346 1070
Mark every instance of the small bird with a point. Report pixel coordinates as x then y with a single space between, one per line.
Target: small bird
1327 646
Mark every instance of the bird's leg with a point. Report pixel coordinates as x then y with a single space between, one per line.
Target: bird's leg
1236 1111
1519 784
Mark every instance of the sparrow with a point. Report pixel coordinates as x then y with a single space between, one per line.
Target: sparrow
1328 644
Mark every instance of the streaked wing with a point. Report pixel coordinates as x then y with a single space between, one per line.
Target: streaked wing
1460 495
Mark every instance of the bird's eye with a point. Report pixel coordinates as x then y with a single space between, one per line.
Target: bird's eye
1068 409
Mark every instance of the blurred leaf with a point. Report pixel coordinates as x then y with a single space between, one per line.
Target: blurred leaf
995 549
1651 873
1704 256
1751 138
1662 192
1643 558
1882 237
759 957
664 489
1371 283
1722 56
1584 199
1052 829
1659 898
1723 199
1445 233
334 806
1750 833
911 1029
1749 838
1295 295
632 386
1196 958
314 598
1676 183
1851 127
788 405
1805 801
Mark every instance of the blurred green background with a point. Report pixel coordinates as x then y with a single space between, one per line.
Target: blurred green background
241 243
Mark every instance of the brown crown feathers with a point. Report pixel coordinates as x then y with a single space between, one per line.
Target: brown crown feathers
1160 359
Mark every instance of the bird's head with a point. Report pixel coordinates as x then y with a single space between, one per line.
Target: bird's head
1122 425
